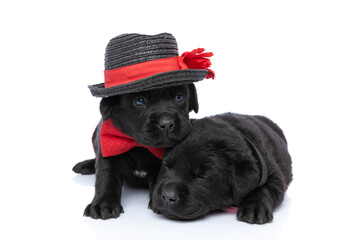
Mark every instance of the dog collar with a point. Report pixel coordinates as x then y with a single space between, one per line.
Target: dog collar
114 142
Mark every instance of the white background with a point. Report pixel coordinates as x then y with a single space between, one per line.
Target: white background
297 62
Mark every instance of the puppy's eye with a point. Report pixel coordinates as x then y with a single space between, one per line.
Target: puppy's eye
179 98
198 173
139 101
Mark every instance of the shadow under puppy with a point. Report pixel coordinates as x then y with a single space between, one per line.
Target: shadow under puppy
227 160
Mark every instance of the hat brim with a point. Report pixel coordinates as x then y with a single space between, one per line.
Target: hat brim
161 80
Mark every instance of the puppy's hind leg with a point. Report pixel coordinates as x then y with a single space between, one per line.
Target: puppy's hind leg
85 167
258 206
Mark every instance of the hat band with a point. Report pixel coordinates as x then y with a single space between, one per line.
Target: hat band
142 70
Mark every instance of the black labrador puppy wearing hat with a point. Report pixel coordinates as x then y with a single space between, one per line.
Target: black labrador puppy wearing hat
147 96
227 160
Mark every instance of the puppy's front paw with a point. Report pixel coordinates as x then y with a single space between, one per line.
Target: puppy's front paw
254 213
103 210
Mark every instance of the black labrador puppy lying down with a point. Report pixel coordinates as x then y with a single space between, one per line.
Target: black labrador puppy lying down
228 160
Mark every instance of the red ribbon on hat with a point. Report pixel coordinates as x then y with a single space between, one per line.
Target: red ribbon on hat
196 59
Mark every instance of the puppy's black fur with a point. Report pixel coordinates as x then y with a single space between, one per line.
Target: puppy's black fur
215 167
157 118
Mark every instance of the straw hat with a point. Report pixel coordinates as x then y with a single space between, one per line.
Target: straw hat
135 63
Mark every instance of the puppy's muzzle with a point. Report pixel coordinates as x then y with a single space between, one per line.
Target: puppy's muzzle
165 122
171 194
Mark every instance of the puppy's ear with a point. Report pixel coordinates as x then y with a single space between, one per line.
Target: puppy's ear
193 100
106 106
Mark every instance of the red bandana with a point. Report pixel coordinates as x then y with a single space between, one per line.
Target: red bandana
114 142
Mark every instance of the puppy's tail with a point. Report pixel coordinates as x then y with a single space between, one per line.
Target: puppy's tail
85 167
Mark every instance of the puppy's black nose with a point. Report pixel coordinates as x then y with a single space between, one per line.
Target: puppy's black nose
169 197
166 122
170 193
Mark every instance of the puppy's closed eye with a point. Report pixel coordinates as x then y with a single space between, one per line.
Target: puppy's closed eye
198 172
165 164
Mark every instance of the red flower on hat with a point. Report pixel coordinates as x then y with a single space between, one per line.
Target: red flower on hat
198 59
